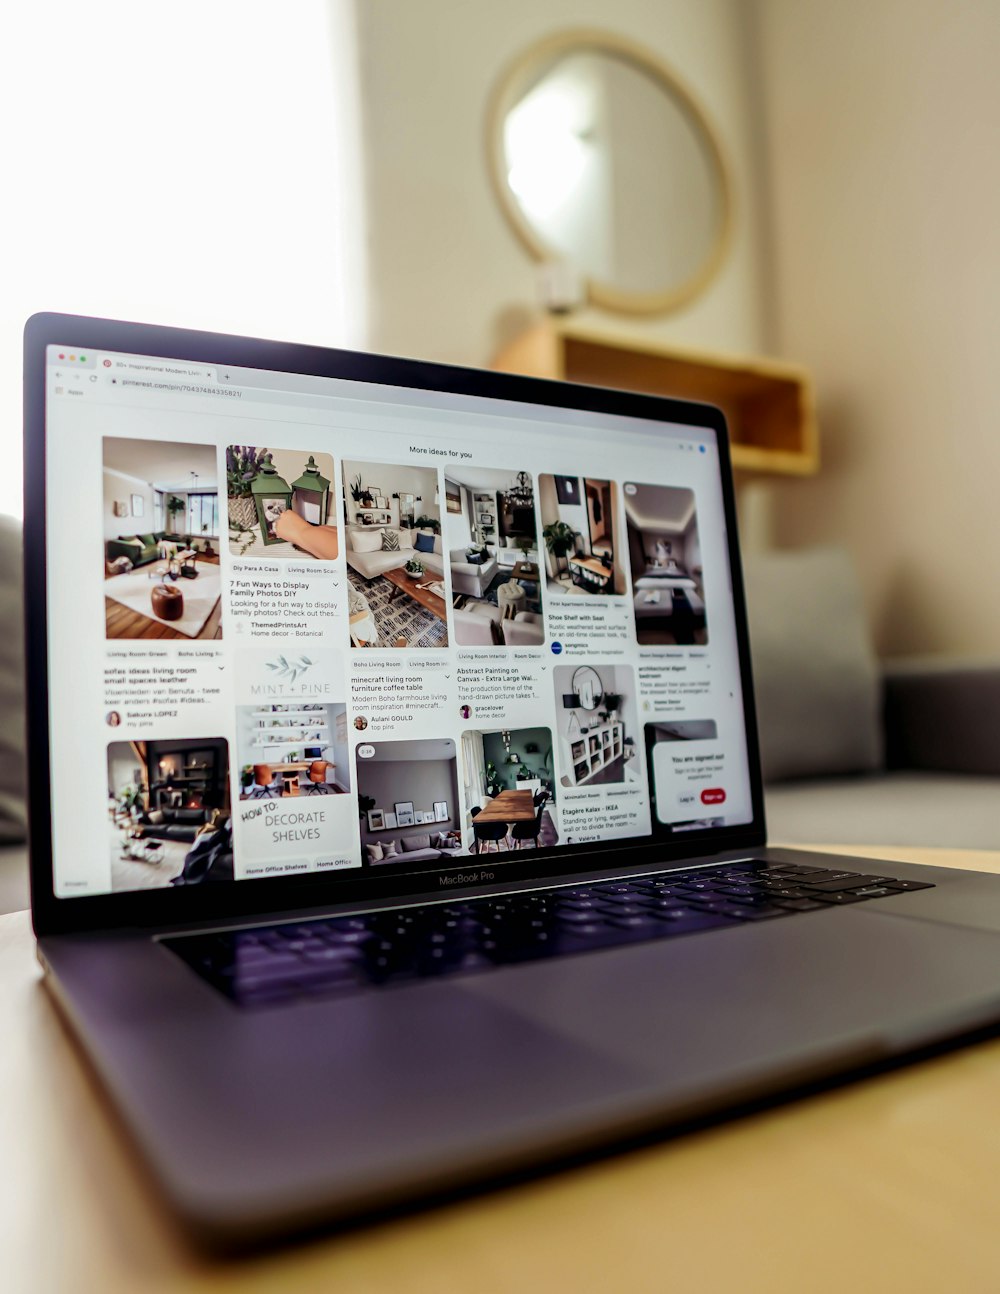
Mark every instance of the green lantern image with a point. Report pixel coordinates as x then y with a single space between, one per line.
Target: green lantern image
311 494
272 497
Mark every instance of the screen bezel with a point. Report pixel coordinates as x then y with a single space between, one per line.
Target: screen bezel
171 907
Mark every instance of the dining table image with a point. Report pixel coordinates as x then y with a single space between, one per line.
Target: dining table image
509 806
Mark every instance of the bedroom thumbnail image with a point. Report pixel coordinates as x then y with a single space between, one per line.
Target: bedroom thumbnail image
509 789
493 554
408 802
665 559
581 533
280 503
169 813
597 722
396 592
295 747
161 540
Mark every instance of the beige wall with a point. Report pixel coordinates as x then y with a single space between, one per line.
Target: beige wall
119 488
448 279
883 122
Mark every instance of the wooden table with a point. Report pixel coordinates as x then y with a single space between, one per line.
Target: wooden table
890 1184
509 806
418 591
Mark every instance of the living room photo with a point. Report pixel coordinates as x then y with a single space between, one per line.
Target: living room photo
597 724
665 557
395 565
492 536
280 503
169 812
581 531
161 540
408 801
509 789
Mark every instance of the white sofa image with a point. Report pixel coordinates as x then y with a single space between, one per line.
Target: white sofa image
477 625
366 555
525 629
471 578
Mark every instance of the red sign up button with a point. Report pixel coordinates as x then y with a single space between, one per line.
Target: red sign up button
713 795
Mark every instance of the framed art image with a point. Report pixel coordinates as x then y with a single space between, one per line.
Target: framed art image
376 820
137 505
441 811
404 813
486 518
419 817
390 821
452 497
568 489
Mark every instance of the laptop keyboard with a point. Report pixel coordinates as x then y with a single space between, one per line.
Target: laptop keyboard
338 955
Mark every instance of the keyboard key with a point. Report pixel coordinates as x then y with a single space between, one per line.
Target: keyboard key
906 886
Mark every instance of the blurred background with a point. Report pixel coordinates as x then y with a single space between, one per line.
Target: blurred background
784 206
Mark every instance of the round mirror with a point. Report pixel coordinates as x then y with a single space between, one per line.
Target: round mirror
588 687
602 158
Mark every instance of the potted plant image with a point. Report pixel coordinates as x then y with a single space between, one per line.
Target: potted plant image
429 523
612 700
414 568
242 465
174 505
559 539
492 778
524 544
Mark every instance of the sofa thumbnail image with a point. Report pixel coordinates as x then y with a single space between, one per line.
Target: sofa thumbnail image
395 561
161 540
169 812
491 532
409 801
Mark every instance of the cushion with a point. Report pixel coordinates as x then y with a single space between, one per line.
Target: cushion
389 849
424 543
474 559
157 817
409 844
366 541
189 815
390 541
438 546
147 541
815 672
374 853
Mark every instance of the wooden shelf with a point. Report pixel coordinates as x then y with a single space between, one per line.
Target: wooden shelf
769 404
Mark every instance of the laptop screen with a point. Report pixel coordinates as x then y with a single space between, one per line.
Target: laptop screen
301 625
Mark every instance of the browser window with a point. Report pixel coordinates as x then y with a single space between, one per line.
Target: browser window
301 625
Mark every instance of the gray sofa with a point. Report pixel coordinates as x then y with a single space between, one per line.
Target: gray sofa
856 751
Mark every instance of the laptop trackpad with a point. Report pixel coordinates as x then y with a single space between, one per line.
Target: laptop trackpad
759 996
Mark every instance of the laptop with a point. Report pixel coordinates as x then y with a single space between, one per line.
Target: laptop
395 801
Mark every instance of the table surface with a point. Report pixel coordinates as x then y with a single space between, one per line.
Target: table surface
886 1184
418 590
508 806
